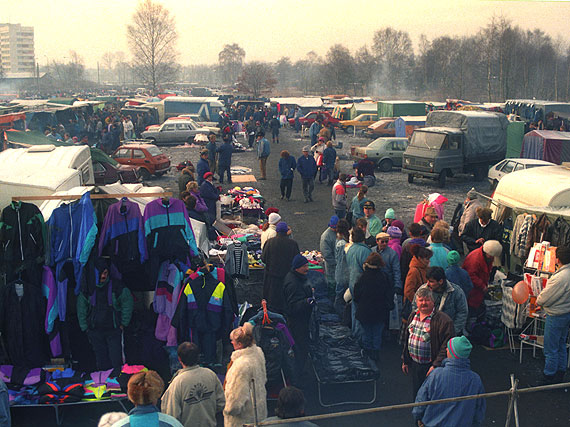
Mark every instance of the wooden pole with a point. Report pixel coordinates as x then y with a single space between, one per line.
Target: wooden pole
93 196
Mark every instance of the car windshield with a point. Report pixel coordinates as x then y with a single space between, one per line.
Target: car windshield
429 140
154 151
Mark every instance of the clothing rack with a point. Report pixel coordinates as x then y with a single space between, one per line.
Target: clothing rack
93 196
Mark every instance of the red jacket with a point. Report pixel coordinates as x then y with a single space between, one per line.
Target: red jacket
479 269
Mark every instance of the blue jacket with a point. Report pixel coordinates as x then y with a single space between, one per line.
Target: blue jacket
314 131
263 148
453 379
287 167
148 416
307 166
355 257
460 277
329 157
210 194
201 168
439 257
357 207
225 154
392 267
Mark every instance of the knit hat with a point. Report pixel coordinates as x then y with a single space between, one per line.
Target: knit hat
459 347
453 257
390 214
399 224
208 174
334 221
382 235
274 218
472 194
298 261
492 248
282 227
306 148
394 232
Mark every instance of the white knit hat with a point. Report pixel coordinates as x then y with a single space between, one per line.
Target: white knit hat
274 218
492 248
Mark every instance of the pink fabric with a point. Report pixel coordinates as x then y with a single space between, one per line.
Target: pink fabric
420 209
395 244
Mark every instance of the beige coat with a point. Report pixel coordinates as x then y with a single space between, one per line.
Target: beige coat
468 213
555 297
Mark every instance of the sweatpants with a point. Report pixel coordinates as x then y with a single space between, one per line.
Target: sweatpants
107 347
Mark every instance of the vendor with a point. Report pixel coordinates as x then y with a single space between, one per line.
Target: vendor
555 300
480 229
364 168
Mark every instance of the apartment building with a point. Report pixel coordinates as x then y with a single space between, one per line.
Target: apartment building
17 50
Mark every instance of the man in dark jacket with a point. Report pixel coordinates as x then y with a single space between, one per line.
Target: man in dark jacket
202 166
299 306
211 147
210 194
426 338
275 125
225 159
329 159
185 177
278 253
307 167
480 229
103 312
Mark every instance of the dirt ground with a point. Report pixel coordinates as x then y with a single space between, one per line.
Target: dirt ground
308 221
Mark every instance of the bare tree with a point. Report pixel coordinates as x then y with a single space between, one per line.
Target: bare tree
152 39
70 74
284 71
231 59
366 67
393 48
256 78
339 68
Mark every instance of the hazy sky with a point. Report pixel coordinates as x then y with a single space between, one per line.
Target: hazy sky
266 29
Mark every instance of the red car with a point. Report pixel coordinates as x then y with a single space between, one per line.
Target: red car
147 156
308 119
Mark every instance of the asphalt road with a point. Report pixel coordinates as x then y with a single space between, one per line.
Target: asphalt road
308 221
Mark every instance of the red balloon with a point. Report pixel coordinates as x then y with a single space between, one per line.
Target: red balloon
520 293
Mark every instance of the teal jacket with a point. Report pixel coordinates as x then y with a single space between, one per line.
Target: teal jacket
121 299
355 257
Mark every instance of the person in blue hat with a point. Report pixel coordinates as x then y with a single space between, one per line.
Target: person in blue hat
299 302
453 379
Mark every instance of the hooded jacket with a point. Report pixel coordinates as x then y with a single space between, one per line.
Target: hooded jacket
246 364
479 270
415 278
374 294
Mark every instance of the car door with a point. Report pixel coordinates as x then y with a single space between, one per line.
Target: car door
507 168
123 156
139 159
398 148
184 131
167 133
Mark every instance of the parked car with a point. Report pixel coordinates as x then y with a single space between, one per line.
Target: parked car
361 121
147 156
507 166
109 173
385 152
386 126
308 119
174 132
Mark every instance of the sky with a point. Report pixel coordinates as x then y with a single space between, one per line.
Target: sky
267 29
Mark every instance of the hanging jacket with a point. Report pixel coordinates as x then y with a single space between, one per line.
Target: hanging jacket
237 260
72 229
51 324
123 233
22 237
166 295
558 233
21 324
538 231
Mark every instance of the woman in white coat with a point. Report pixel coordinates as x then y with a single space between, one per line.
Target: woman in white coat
247 363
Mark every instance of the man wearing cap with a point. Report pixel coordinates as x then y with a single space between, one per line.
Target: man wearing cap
225 158
327 247
210 194
299 302
428 220
478 265
263 151
277 255
307 168
480 229
211 147
456 274
374 223
202 166
470 205
426 337
555 300
453 379
448 297
339 196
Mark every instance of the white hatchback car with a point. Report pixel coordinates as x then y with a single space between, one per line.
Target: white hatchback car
507 166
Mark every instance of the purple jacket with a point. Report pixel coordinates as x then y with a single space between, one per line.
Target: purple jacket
200 203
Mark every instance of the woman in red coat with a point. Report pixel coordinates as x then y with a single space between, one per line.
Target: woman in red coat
479 264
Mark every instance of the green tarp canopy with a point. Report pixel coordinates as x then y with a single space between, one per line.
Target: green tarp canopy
401 108
106 98
515 135
99 156
32 138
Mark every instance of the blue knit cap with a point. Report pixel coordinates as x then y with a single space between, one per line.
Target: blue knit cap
299 261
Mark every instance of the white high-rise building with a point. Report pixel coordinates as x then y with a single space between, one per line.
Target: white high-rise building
17 56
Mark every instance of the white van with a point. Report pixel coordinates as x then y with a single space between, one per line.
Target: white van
42 170
535 187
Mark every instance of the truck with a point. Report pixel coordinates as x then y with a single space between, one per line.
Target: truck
456 142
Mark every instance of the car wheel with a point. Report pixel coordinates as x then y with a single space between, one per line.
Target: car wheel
349 129
385 165
442 179
159 174
145 174
410 178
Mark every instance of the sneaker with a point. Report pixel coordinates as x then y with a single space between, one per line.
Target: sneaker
282 197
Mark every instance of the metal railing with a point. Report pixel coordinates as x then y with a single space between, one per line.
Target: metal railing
512 409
